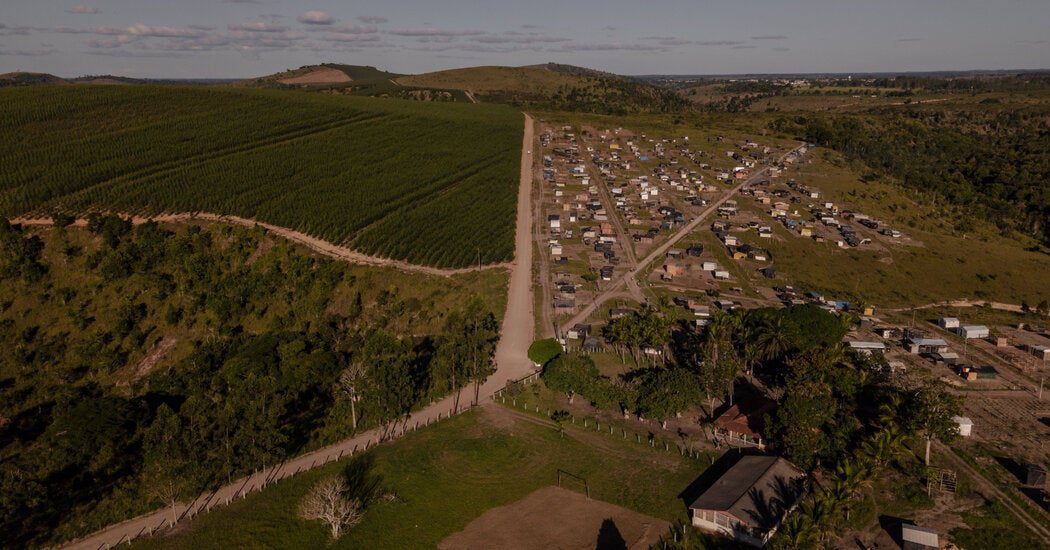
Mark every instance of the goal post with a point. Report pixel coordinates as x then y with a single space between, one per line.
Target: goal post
573 481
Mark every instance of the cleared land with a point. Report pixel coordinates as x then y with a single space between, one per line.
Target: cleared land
553 517
319 76
426 183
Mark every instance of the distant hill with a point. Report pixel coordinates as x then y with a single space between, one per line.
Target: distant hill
555 86
325 74
29 79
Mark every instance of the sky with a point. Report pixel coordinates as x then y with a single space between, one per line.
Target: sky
245 38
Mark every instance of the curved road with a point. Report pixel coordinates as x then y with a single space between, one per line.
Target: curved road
512 363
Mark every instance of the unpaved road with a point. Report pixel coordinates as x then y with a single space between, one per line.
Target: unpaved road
512 363
627 278
320 246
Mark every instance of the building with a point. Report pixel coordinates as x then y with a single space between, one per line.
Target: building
927 345
867 348
965 425
948 322
750 500
914 537
973 331
743 423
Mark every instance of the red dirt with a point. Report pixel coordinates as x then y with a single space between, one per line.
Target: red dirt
552 517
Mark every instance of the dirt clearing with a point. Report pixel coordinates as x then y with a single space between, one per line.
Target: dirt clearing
319 76
552 517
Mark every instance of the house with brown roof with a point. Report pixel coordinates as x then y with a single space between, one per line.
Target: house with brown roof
742 424
750 500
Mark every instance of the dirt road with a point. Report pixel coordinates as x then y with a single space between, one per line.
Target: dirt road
320 246
512 363
613 289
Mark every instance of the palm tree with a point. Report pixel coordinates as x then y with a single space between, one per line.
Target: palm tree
883 446
774 339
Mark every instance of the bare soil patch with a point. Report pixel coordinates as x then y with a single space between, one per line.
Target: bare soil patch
319 76
552 517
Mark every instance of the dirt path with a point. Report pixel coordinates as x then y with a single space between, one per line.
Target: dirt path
320 246
512 363
1015 308
613 288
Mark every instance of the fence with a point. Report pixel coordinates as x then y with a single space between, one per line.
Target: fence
651 439
159 520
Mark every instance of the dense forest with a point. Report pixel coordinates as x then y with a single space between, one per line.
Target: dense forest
994 161
145 364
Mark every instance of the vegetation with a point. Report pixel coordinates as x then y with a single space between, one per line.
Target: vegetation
146 364
554 86
995 162
994 527
542 352
446 475
431 184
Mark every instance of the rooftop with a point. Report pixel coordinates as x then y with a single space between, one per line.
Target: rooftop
757 490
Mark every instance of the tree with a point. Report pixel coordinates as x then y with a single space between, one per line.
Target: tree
570 373
666 392
930 413
350 382
328 502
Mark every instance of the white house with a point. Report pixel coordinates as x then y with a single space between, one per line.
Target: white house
948 322
750 500
965 425
973 331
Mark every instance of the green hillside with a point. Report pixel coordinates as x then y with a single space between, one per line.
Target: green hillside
417 181
555 86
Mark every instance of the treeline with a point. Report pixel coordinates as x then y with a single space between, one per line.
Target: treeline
265 365
995 163
429 184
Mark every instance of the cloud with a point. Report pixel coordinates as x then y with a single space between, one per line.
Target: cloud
518 38
126 53
899 40
256 26
744 47
162 32
241 2
614 46
314 17
8 30
351 37
84 10
719 42
354 29
27 53
431 31
781 49
1033 42
372 19
609 28
530 26
770 37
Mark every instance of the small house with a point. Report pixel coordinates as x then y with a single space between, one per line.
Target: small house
1042 352
965 425
973 331
867 348
914 537
750 500
948 322
743 423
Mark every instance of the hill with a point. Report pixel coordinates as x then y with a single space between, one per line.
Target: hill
29 79
555 86
425 183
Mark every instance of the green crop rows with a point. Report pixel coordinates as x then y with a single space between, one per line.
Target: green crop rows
427 183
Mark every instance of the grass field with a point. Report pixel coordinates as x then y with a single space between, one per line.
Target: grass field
447 475
948 264
424 182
